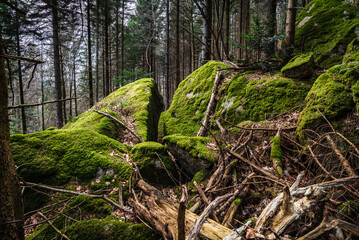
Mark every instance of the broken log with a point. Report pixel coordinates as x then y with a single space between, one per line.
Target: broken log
162 214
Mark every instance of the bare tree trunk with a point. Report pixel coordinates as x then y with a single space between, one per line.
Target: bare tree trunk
290 25
55 37
117 44
122 37
11 211
177 67
206 28
63 85
167 58
75 91
228 25
42 100
107 57
97 47
89 54
23 115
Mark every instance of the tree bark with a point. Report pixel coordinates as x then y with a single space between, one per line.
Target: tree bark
290 24
55 37
166 92
11 211
107 57
206 28
89 54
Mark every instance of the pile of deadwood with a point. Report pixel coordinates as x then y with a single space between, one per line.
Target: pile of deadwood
313 196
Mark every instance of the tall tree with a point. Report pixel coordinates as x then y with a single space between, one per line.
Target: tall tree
11 211
166 89
206 28
56 48
290 26
177 38
89 54
107 56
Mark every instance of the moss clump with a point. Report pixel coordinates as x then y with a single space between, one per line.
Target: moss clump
139 100
352 54
199 177
153 162
276 154
91 205
190 102
349 208
325 28
237 201
109 229
57 156
300 66
258 99
334 93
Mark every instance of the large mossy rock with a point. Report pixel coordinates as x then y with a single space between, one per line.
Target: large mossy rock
245 96
56 156
325 28
333 94
109 229
190 102
154 163
192 153
300 66
352 54
139 101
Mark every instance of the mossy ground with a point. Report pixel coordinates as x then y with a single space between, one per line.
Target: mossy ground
140 100
333 94
190 102
153 162
57 156
329 28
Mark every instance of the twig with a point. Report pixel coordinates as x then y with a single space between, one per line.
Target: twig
121 123
204 198
53 226
181 219
13 57
37 104
238 231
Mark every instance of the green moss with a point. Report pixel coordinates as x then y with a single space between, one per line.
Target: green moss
349 208
109 229
300 66
199 177
334 93
352 53
57 156
276 154
256 100
195 146
325 28
190 102
153 160
91 205
140 100
237 201
297 61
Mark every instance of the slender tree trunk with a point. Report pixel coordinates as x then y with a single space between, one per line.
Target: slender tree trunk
23 115
117 45
55 36
97 46
228 25
11 211
107 58
290 24
206 28
193 62
122 37
167 58
75 90
89 54
42 100
63 85
177 79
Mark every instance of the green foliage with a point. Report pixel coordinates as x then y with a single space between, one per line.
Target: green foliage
326 27
153 162
334 93
140 99
57 156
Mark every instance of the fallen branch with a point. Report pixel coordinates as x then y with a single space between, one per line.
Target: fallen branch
53 226
121 123
38 104
21 58
181 218
125 209
202 131
238 232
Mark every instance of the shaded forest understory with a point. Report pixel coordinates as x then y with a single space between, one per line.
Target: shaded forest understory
266 148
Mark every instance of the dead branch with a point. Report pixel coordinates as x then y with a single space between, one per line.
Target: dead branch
162 214
37 104
181 219
202 131
122 124
238 232
53 226
125 209
13 57
204 198
207 211
342 159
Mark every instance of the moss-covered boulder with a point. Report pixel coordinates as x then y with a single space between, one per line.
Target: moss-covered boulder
192 153
138 103
333 94
57 156
109 229
190 102
352 54
154 163
325 28
253 97
300 66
